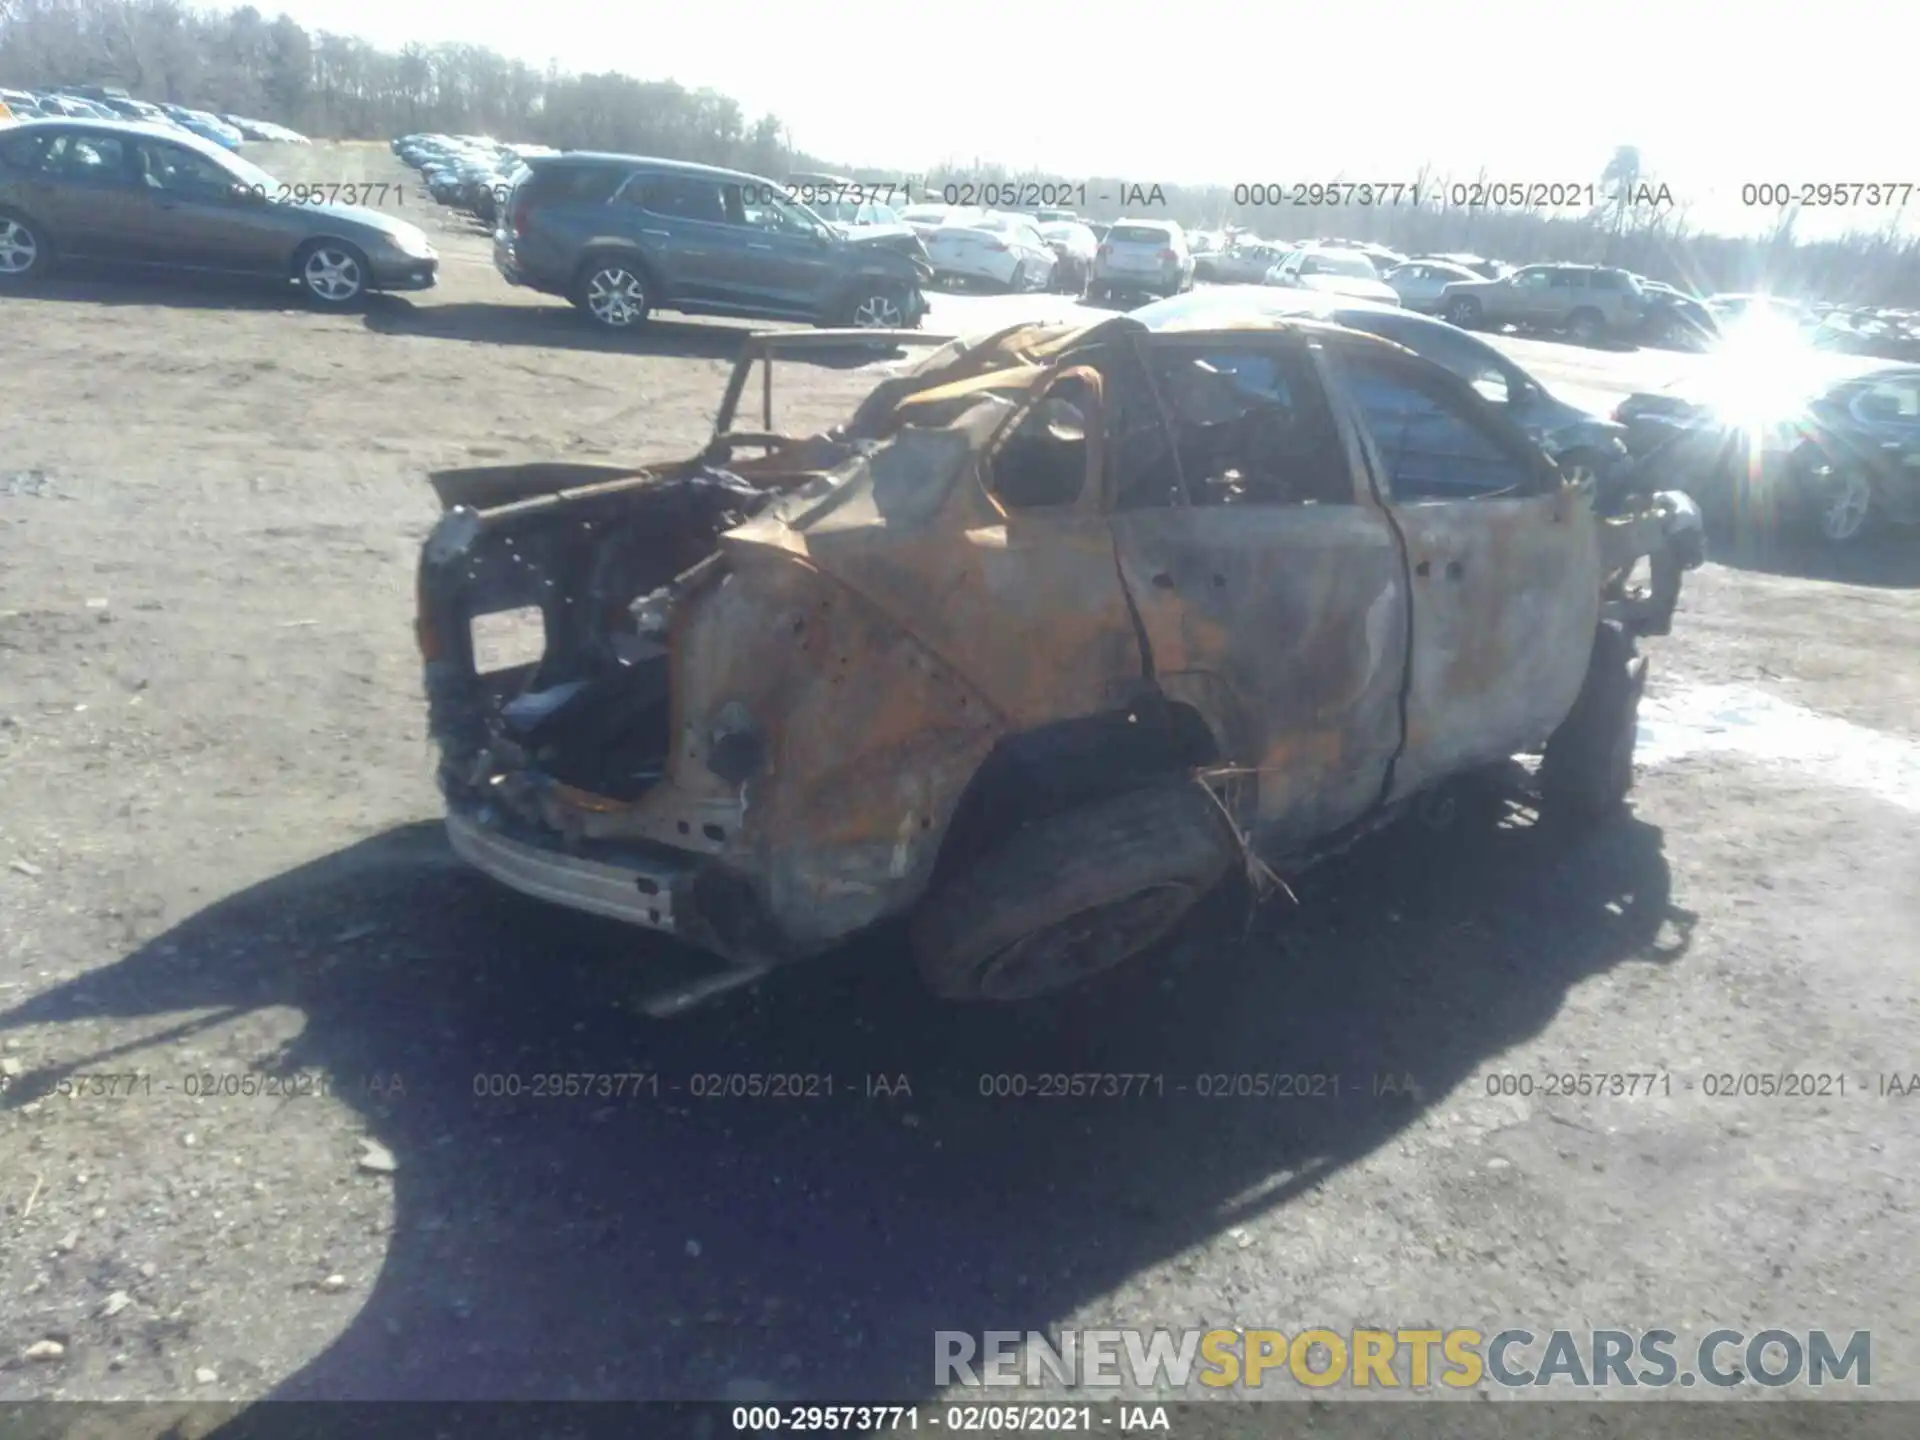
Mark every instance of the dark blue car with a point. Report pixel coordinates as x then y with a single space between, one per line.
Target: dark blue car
1838 464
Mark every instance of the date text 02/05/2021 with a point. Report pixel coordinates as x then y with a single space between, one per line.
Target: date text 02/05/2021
961 1419
1581 195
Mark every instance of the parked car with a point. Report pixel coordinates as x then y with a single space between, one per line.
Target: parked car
1334 272
19 105
249 129
1481 266
865 216
1073 250
998 248
138 111
925 219
1589 303
623 235
280 134
1421 283
489 198
1584 445
1674 319
1837 464
1100 700
54 106
1770 310
133 194
1142 257
1244 260
1884 334
207 127
1379 256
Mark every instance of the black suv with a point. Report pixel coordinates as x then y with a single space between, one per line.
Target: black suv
621 236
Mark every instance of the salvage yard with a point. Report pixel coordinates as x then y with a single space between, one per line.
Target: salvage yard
221 855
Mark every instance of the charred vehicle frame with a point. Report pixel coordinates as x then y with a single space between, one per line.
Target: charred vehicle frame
1057 632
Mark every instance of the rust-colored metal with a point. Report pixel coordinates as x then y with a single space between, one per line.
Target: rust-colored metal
889 619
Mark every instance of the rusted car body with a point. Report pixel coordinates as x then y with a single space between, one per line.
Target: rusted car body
795 685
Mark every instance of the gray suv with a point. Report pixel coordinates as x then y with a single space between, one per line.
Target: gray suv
1590 303
621 236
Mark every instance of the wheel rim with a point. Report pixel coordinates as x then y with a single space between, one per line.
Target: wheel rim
18 248
877 312
1845 513
1584 330
616 297
1084 944
332 274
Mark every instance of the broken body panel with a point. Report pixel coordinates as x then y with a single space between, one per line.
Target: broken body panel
760 686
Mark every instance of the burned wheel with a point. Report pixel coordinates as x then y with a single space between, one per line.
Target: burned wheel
1069 897
1587 769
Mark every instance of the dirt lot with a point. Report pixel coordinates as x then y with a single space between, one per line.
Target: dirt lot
219 850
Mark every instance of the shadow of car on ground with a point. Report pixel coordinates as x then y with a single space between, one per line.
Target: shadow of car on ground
553 327
561 327
541 1251
89 284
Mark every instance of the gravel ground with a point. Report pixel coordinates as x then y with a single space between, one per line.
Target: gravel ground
220 858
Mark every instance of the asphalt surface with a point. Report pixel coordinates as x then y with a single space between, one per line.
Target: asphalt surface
220 858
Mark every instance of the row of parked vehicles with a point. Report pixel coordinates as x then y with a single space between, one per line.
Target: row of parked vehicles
622 236
469 172
105 102
1147 258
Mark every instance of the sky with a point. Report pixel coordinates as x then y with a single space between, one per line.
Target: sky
1226 91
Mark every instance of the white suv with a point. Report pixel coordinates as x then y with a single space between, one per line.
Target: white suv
1149 257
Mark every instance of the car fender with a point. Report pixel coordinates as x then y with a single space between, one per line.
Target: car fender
869 742
628 250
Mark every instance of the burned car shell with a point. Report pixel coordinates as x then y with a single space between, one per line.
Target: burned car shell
837 671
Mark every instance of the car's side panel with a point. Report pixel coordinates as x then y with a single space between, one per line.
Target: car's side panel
1505 594
1286 627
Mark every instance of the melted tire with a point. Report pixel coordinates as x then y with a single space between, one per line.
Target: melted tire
1093 887
1587 770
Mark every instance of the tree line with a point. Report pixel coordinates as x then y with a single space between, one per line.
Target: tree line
340 87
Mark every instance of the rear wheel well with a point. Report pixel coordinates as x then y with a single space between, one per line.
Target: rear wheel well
1068 764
